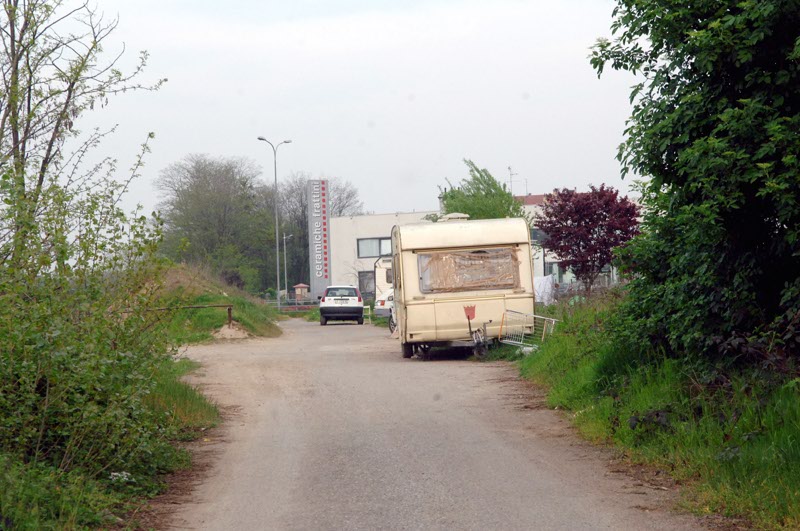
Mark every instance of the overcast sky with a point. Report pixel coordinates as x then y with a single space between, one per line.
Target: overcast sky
389 95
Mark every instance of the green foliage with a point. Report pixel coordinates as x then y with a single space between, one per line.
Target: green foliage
714 128
313 315
41 496
731 436
197 325
35 496
183 408
218 213
382 322
481 196
80 350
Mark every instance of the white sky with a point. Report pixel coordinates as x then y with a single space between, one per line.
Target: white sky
388 95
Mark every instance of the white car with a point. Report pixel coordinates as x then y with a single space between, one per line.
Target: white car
341 303
384 303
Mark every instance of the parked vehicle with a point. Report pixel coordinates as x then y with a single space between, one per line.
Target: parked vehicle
384 303
341 303
453 277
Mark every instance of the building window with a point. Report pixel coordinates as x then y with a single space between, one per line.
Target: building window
537 236
389 277
374 247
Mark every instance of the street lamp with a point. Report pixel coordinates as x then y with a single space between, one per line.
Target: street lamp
285 269
277 243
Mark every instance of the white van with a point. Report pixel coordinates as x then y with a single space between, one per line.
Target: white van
443 269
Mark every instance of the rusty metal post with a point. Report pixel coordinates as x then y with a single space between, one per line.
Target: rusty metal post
230 316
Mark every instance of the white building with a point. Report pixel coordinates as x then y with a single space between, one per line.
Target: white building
361 248
357 245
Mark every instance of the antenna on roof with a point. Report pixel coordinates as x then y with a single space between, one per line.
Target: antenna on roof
511 179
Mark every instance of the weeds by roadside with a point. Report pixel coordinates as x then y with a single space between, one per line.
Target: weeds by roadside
312 315
43 496
382 322
731 435
197 325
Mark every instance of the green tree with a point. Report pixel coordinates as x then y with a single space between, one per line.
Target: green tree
78 345
714 128
217 212
481 196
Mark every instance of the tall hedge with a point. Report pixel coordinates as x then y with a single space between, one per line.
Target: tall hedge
715 132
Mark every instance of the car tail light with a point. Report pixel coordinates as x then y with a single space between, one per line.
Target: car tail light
323 299
359 295
380 303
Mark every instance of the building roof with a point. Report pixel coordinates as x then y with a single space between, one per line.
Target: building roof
531 199
301 286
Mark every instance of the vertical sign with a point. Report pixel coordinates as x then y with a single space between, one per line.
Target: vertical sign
318 236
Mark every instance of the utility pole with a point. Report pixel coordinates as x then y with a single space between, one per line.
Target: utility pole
277 207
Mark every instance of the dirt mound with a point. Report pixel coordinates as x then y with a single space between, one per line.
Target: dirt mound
235 331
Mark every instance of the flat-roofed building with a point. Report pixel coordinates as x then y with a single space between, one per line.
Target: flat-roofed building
361 248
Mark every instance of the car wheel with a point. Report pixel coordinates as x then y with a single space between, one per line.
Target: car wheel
360 320
408 350
323 321
392 325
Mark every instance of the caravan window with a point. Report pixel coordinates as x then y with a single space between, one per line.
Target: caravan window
468 270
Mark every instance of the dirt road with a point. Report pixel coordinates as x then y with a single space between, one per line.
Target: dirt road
329 428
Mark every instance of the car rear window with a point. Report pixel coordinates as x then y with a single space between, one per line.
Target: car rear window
341 292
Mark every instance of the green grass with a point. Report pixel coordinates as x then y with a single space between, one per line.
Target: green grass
41 497
197 325
504 352
37 496
382 322
731 438
186 410
312 315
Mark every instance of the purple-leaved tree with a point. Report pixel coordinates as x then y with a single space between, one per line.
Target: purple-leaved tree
583 228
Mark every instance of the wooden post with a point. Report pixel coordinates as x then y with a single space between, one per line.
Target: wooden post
230 316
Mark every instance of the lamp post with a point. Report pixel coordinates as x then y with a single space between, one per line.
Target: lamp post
285 269
277 243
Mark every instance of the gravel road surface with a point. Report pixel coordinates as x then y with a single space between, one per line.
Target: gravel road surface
329 428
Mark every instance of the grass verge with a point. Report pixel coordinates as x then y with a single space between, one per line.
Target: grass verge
732 437
382 322
37 496
198 325
185 410
312 316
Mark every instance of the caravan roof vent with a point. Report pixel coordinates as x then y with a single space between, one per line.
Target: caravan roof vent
455 216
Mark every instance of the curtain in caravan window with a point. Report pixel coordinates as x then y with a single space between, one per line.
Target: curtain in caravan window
469 270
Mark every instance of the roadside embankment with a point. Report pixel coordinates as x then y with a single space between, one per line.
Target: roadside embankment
92 404
186 286
731 435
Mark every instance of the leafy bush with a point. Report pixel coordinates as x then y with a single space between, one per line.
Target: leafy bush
714 128
731 435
